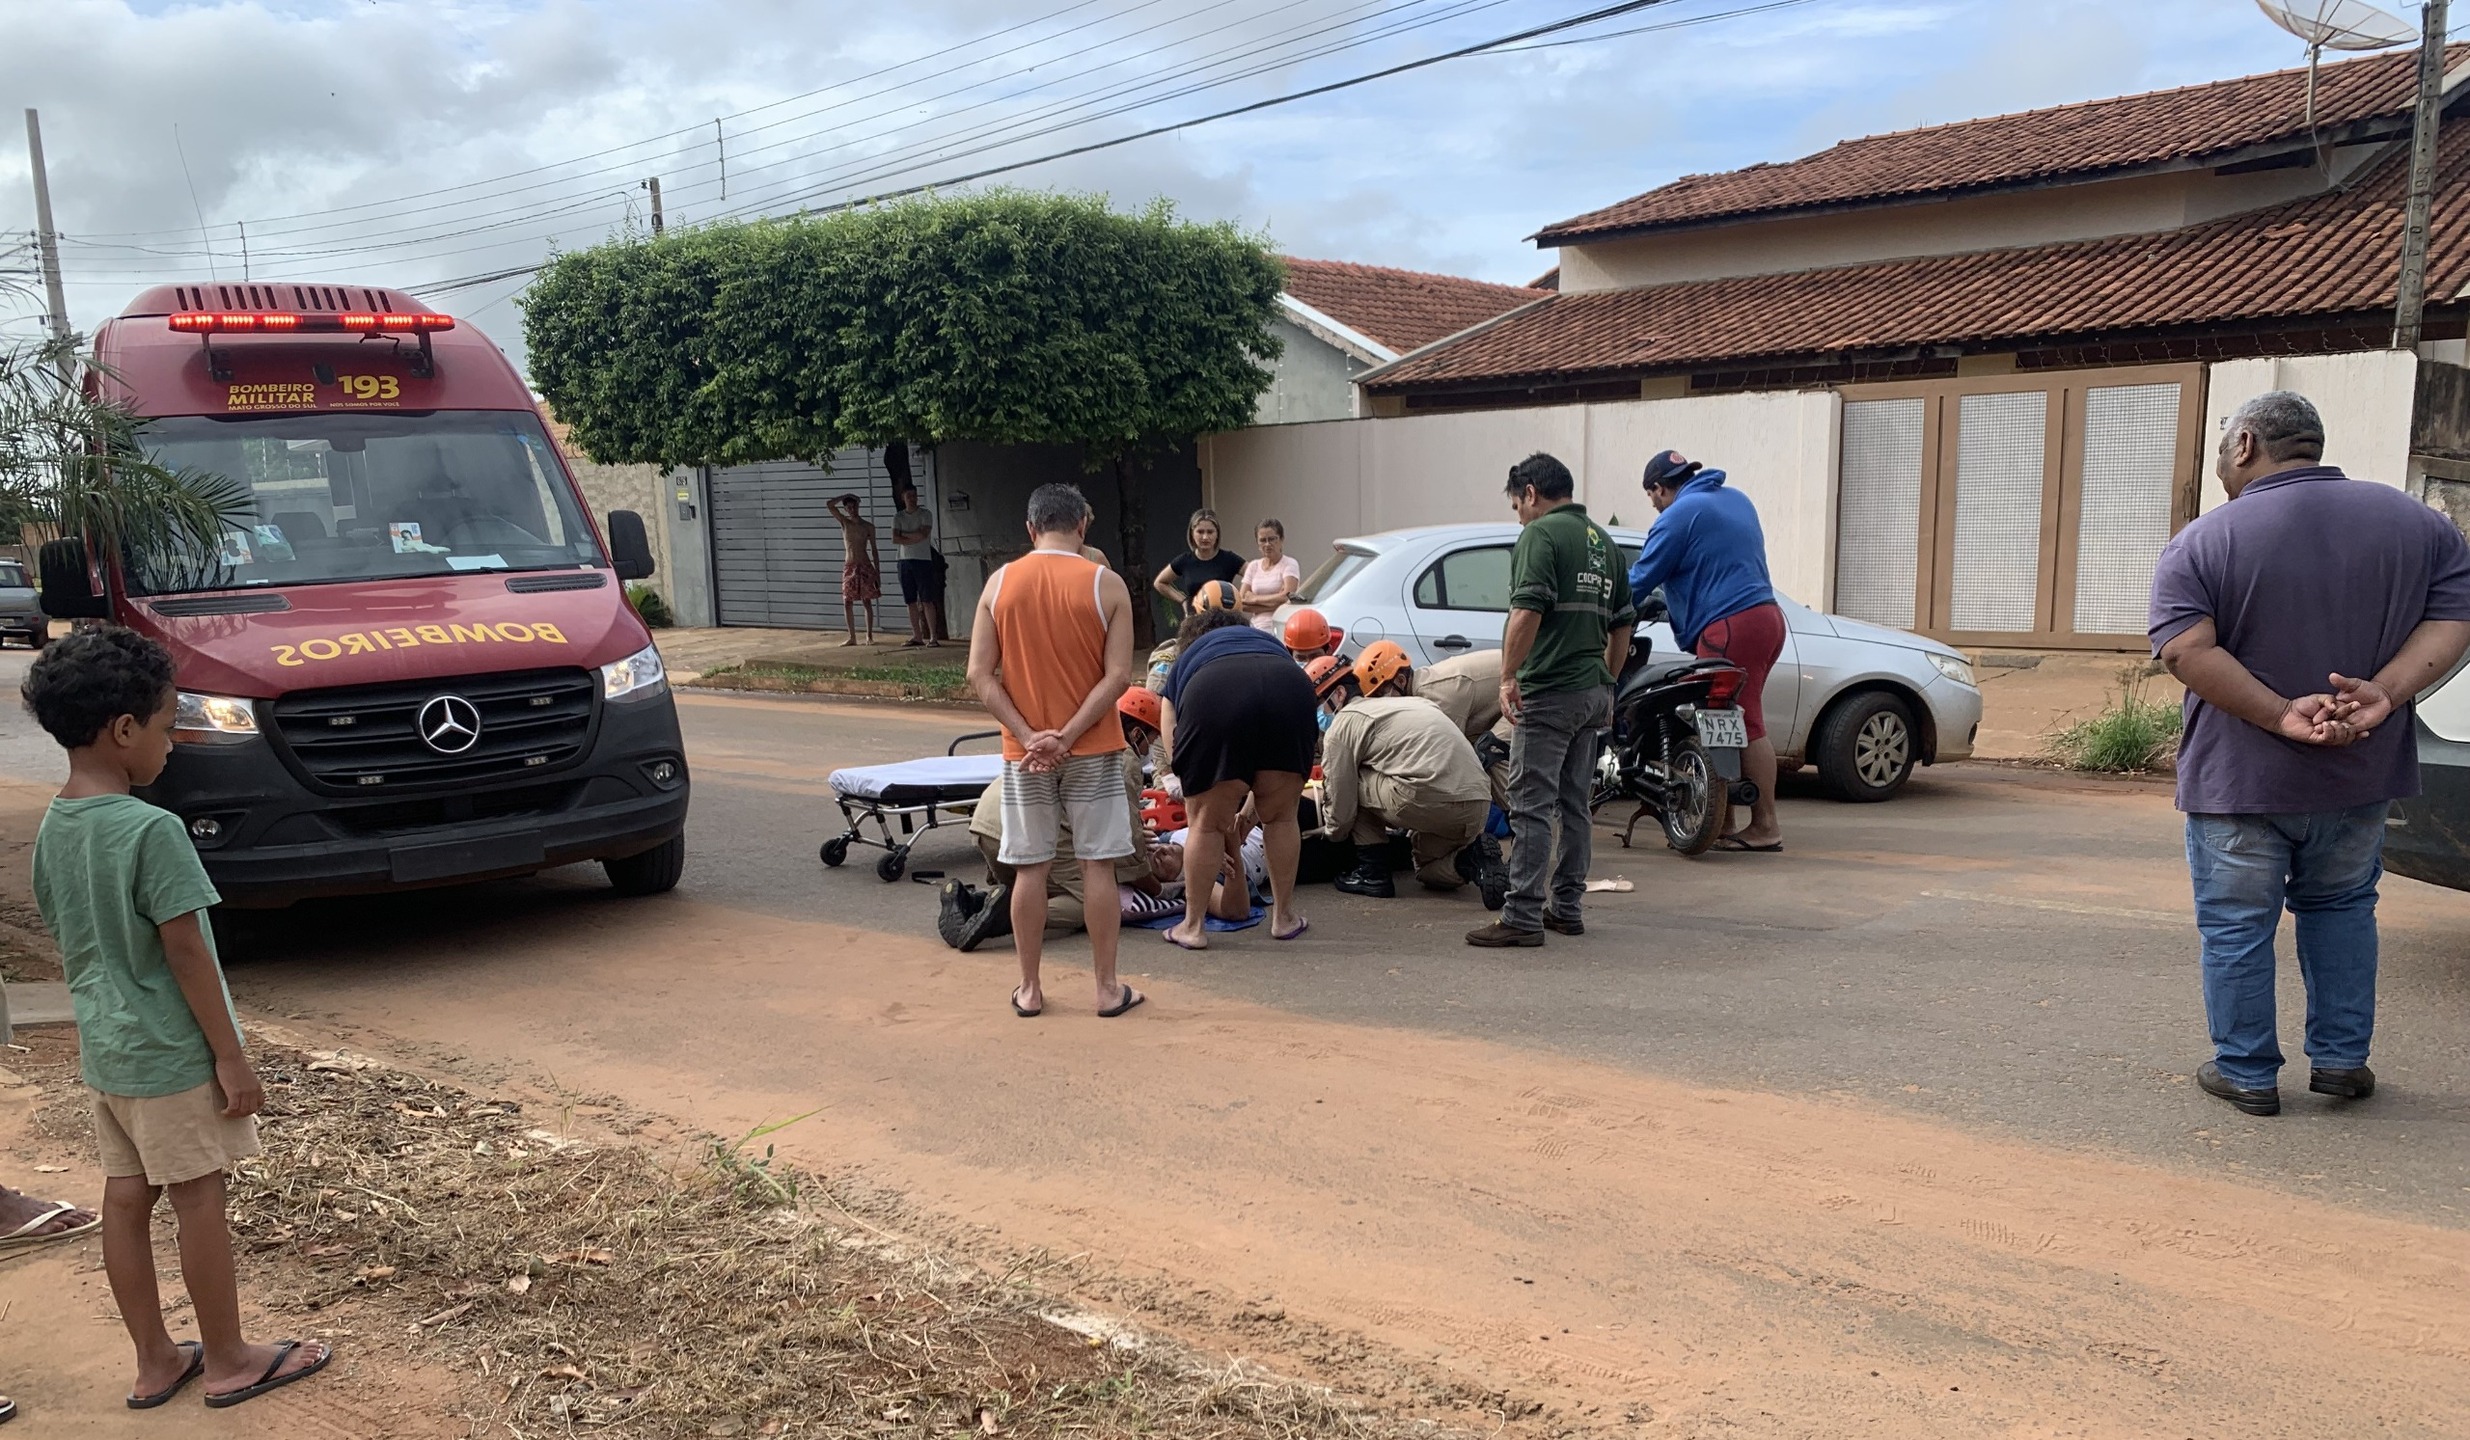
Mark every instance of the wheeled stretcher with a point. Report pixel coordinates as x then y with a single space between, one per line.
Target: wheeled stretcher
920 795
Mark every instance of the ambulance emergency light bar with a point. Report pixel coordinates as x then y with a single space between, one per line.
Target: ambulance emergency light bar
280 322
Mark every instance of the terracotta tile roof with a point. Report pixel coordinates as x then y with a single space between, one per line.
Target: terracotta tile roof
2125 133
1400 308
2328 255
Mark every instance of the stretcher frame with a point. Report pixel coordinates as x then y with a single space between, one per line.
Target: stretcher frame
916 808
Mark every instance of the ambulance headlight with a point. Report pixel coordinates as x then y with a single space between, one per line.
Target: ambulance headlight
213 720
639 676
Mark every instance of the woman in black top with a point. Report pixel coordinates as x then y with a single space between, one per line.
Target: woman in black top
1203 562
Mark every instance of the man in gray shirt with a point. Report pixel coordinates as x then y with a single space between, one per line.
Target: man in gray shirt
2303 617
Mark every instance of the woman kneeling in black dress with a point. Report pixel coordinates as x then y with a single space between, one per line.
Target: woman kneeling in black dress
1239 727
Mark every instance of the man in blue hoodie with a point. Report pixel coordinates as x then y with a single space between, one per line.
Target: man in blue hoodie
1710 558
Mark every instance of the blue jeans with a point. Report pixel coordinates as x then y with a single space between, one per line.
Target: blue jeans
2323 867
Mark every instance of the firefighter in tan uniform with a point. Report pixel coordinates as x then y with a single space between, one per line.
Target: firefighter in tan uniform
1401 763
1466 687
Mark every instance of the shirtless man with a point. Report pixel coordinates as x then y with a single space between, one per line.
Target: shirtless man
861 578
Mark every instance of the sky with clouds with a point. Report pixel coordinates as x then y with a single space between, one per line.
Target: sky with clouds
408 142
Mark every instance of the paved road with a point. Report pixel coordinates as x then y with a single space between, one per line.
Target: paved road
1999 949
1965 1020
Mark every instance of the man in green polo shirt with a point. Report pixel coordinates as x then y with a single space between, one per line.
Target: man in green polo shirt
1570 623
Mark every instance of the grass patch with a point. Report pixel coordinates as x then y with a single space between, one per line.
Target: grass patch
2132 733
934 681
577 1285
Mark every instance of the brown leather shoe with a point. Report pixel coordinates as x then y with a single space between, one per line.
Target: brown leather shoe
1559 926
1503 937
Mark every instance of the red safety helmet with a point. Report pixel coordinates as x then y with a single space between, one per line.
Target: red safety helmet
1140 706
1307 629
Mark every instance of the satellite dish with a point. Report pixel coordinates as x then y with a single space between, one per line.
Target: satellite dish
2336 25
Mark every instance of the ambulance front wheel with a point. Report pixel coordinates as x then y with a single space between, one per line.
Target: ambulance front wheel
653 872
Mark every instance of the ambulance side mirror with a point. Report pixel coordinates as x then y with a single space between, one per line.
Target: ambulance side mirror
68 582
630 550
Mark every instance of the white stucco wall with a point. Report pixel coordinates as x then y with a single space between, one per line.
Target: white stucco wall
1354 477
1310 380
2365 398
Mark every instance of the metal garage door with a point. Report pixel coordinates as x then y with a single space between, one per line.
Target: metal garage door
777 553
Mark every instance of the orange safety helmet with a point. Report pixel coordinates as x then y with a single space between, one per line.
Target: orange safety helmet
1327 673
1214 595
1140 706
1307 629
1381 662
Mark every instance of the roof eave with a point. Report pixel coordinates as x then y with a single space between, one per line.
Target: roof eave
1334 332
1478 328
2355 132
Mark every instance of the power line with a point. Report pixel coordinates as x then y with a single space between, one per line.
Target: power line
1608 12
673 134
524 213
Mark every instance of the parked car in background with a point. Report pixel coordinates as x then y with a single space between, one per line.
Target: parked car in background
21 611
2428 837
1862 702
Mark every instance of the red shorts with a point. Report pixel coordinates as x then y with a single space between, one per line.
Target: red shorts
1751 639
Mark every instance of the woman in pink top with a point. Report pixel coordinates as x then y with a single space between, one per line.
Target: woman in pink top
1270 581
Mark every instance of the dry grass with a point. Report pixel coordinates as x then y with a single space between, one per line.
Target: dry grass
590 1286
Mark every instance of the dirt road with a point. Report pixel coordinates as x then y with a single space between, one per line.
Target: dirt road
1890 1136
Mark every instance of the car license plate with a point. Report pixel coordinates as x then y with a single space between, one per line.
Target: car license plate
1723 729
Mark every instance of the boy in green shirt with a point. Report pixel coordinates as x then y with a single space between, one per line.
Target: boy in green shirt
125 897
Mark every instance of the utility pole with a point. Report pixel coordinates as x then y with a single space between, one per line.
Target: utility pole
653 185
2410 295
46 238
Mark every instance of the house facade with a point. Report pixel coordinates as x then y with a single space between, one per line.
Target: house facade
1971 373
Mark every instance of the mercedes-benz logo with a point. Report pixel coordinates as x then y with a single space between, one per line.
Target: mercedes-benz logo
450 724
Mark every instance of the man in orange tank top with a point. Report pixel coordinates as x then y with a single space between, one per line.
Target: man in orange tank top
1050 654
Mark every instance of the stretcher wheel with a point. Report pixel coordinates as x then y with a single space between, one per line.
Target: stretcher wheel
890 866
836 850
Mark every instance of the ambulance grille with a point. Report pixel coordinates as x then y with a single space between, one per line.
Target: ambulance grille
365 739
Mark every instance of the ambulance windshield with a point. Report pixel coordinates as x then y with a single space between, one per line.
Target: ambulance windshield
372 496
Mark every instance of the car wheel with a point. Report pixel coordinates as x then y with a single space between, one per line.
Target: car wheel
651 873
1867 747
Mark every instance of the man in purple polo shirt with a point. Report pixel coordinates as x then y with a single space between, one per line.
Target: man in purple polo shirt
2271 609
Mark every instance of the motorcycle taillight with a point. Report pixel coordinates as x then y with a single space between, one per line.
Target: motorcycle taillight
1722 685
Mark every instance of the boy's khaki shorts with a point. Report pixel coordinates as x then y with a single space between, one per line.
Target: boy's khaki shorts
170 1138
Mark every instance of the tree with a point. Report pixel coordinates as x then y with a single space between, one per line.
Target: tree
73 463
1005 318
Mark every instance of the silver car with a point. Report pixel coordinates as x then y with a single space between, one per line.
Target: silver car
1861 702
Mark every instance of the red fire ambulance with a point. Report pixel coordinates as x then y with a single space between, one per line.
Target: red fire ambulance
414 662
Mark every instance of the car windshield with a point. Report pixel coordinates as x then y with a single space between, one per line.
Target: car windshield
13 576
372 496
1335 571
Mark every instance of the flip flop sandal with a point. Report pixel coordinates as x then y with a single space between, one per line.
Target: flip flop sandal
1024 1014
1179 942
1737 844
270 1380
1131 998
24 1238
197 1367
8 1410
1295 934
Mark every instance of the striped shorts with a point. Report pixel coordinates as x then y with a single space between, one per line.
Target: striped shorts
1086 792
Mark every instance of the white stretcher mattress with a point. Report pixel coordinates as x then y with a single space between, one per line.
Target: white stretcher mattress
937 779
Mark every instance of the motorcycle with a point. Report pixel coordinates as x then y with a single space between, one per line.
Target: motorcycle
1675 746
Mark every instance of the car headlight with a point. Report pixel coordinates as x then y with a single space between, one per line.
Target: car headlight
639 676
1956 668
213 719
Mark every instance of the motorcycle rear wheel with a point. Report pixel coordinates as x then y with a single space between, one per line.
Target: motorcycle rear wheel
1697 807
